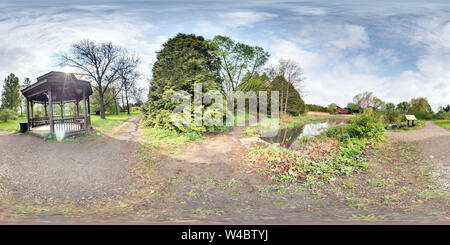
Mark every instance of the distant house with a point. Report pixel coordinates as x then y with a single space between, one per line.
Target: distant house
339 110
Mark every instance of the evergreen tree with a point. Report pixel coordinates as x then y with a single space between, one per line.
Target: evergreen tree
184 61
295 104
11 94
23 100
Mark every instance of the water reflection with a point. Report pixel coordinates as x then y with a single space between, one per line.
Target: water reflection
289 138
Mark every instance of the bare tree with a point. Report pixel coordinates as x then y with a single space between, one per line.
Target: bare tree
293 74
95 62
128 75
137 94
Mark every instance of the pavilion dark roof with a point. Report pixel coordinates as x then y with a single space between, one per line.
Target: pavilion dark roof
65 87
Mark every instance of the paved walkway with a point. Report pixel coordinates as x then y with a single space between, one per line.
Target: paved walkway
434 142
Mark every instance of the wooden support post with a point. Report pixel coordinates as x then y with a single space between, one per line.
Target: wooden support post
77 105
85 110
28 114
32 114
89 106
89 112
61 105
45 108
50 103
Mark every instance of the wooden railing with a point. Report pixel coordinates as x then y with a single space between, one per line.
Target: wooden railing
39 121
71 125
68 125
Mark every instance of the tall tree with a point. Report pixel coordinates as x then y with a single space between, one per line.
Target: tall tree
370 99
389 106
293 101
378 104
418 105
366 97
447 108
97 62
353 107
185 60
11 94
332 106
237 59
128 75
23 100
293 74
403 106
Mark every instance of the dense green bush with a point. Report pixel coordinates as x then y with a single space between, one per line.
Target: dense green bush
424 115
340 132
8 114
393 116
367 125
442 115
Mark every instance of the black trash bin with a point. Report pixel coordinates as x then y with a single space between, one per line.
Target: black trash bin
23 127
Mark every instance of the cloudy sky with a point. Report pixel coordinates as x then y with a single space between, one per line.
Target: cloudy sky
397 49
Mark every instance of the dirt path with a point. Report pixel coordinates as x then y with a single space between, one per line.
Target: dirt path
434 142
211 180
32 168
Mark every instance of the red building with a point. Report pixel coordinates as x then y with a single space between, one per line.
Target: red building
340 110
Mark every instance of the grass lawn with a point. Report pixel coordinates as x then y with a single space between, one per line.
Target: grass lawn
12 125
443 123
102 126
106 125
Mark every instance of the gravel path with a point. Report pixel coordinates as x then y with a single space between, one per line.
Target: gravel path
434 142
31 167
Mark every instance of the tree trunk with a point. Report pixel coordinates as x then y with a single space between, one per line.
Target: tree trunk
123 102
126 99
117 107
282 99
286 100
101 104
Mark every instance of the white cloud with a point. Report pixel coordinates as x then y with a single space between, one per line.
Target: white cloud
433 36
34 39
307 10
398 51
402 88
288 50
244 18
351 36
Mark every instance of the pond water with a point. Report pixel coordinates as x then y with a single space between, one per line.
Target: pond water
289 138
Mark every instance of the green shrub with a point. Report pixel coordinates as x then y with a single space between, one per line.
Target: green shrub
424 115
340 132
367 125
8 114
442 115
393 116
347 160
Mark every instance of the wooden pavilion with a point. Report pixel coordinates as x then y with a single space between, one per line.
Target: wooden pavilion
58 88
